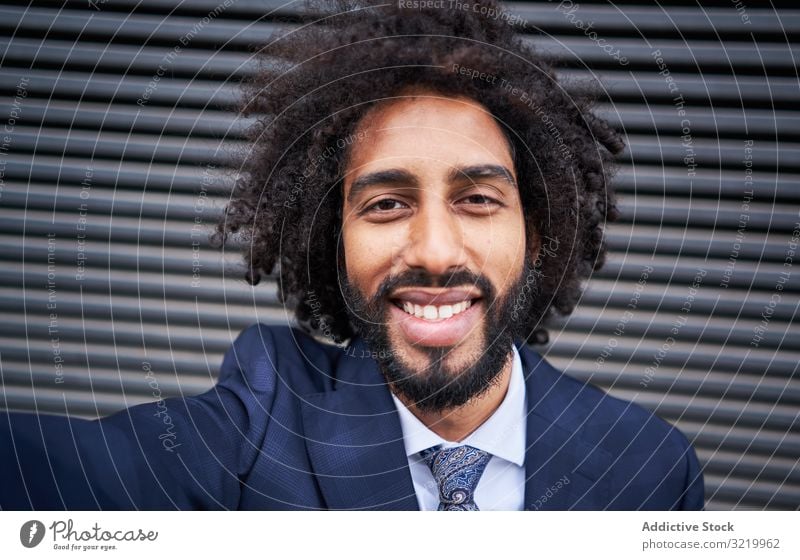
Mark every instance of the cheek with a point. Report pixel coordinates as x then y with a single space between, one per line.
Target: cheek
354 249
367 256
499 252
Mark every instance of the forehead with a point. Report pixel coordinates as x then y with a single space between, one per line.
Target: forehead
427 131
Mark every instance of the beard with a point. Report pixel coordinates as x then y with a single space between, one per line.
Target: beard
437 386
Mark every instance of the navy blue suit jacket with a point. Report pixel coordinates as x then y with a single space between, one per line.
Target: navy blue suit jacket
295 424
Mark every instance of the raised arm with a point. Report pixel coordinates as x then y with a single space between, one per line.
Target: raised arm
178 453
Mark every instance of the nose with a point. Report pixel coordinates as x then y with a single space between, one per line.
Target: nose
436 240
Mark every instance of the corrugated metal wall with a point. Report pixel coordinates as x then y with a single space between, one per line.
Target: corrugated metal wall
117 132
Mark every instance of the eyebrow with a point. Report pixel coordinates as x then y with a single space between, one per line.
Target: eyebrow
403 177
486 171
383 177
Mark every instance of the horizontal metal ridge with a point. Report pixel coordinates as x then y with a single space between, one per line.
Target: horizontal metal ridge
173 287
193 62
761 216
168 147
81 378
650 87
764 469
97 227
680 54
133 222
130 117
135 27
168 218
612 372
170 208
122 255
722 241
659 18
77 330
93 56
112 87
680 326
767 186
197 361
656 353
705 121
618 85
79 404
748 493
131 307
728 411
745 275
671 149
760 440
141 177
708 299
180 260
123 147
614 18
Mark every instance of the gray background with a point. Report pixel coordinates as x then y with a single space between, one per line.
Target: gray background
109 185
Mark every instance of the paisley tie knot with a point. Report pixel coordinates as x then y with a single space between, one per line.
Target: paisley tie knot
457 471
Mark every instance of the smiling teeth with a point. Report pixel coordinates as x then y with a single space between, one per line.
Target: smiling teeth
434 312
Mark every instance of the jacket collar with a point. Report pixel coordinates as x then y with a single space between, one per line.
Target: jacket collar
355 442
562 469
354 439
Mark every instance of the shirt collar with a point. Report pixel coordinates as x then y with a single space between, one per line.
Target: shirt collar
502 434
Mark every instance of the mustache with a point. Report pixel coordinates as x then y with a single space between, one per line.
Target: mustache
420 278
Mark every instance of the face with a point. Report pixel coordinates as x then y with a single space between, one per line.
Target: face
434 246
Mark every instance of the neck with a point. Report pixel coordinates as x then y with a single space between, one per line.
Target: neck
455 424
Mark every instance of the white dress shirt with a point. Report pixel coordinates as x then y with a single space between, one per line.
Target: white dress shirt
502 486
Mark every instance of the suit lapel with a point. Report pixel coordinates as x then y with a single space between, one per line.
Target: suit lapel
355 442
354 439
562 470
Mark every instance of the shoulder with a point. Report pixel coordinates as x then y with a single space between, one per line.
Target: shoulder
575 404
266 356
631 448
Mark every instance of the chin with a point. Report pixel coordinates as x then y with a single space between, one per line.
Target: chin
406 349
440 355
421 357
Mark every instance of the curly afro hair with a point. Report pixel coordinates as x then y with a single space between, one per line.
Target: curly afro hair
315 83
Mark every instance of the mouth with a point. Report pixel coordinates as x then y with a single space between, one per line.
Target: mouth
434 312
436 318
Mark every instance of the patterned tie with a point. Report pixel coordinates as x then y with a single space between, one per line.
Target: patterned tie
457 471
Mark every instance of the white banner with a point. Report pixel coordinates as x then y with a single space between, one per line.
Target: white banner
370 535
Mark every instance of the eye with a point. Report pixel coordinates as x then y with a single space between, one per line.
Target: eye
479 200
385 210
386 205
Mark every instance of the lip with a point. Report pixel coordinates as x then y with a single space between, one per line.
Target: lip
424 297
439 332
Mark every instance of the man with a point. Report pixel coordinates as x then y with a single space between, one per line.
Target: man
424 190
